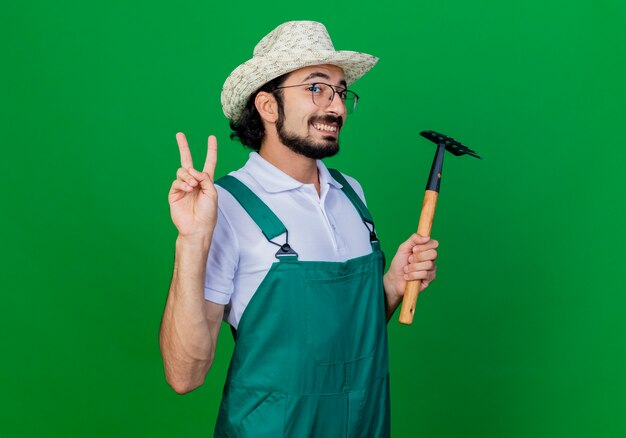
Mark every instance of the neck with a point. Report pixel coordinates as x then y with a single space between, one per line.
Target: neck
297 166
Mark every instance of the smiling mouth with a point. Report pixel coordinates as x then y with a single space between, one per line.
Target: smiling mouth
327 129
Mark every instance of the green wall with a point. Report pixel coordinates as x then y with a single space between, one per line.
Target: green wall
522 334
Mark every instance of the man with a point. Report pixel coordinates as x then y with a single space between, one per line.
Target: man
288 256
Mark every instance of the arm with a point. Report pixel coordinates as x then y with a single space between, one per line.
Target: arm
414 260
190 324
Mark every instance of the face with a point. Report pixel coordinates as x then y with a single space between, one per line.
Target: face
304 127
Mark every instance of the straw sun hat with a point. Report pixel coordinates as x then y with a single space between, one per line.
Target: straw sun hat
290 46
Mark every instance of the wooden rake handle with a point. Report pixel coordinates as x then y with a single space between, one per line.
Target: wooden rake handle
423 229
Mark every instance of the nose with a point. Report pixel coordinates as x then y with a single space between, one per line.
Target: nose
336 105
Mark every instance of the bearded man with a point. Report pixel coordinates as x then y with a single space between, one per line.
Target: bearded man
284 250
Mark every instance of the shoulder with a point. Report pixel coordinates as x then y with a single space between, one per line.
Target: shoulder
230 197
233 180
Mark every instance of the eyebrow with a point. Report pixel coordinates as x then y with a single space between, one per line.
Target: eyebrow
319 74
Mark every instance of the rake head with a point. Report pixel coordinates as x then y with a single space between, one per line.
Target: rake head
452 145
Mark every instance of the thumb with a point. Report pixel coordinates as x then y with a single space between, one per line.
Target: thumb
415 239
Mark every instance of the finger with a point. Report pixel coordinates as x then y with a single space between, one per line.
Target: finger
211 157
424 256
206 182
179 186
185 154
185 175
431 244
421 266
425 283
414 239
417 275
432 274
198 176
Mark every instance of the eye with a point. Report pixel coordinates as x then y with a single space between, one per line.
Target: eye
342 92
314 88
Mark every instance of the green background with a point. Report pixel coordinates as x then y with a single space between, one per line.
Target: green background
522 334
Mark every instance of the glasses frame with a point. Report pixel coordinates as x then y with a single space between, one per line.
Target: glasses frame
335 91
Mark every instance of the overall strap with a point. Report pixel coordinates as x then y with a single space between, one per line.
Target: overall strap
357 202
260 213
351 194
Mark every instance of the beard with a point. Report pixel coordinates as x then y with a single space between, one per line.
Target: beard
316 150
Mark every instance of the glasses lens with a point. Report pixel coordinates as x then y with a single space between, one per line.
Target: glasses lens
323 95
350 101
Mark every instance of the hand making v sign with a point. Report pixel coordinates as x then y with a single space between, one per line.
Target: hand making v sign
192 197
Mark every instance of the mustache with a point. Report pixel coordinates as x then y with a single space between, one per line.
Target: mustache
327 119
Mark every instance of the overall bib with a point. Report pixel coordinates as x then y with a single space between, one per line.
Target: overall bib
310 356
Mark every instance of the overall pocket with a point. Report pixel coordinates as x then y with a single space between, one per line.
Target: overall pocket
246 412
343 317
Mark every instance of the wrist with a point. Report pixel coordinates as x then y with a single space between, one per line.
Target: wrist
197 241
388 285
191 255
392 295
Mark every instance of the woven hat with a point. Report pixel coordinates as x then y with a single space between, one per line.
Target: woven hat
290 46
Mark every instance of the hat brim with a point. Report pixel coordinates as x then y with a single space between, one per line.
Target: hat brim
254 73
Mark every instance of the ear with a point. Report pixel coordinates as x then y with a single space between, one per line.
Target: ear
267 106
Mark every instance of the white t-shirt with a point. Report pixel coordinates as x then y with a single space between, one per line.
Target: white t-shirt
325 227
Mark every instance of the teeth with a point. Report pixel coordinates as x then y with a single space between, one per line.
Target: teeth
322 127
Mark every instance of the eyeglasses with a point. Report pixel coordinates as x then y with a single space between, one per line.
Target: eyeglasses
323 94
